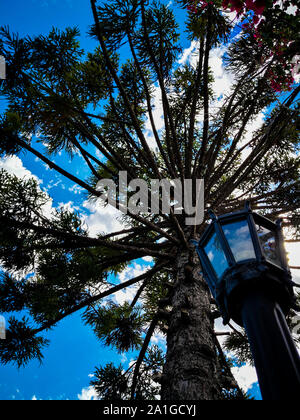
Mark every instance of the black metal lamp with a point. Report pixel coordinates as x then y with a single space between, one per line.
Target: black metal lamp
244 263
244 251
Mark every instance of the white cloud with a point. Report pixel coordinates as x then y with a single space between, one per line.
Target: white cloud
245 376
157 113
14 165
158 339
148 259
53 184
124 358
130 272
69 206
189 54
293 252
222 87
87 394
102 219
223 79
99 154
48 209
76 189
222 84
150 139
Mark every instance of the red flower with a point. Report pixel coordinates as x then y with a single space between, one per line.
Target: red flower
237 6
249 4
192 8
275 86
204 4
225 4
259 7
256 19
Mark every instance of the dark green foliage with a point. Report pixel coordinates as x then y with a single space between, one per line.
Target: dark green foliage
147 387
21 344
220 25
162 33
14 192
39 98
25 228
20 201
110 383
9 126
95 83
119 326
113 383
238 344
60 283
12 296
116 18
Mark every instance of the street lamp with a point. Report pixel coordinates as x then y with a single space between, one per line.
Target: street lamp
244 263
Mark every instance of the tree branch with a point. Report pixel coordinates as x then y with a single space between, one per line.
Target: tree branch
142 354
149 108
92 242
206 98
193 113
91 190
96 298
166 106
122 90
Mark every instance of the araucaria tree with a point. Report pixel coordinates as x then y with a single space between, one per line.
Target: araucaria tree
98 105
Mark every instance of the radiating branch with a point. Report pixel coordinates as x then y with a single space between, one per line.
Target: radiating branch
93 299
142 354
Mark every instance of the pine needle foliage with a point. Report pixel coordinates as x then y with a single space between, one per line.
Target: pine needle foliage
116 325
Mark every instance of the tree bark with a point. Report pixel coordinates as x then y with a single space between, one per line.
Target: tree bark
190 371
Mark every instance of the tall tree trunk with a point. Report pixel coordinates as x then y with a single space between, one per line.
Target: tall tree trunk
191 368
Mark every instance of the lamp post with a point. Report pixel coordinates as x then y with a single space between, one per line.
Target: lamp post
244 263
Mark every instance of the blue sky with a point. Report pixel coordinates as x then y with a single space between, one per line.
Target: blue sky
74 351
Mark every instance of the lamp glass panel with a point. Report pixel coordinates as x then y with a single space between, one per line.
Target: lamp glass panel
216 255
239 238
267 239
